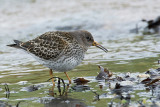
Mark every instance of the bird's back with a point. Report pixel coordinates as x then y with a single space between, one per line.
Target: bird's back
49 45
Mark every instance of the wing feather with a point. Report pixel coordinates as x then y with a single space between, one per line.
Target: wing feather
49 45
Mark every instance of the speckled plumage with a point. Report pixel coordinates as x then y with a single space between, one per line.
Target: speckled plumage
49 45
60 51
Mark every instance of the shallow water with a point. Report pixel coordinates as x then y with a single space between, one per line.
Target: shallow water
110 23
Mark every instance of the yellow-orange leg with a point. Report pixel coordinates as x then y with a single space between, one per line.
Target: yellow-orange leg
51 74
68 78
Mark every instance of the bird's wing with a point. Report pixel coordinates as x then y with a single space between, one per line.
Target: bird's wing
50 45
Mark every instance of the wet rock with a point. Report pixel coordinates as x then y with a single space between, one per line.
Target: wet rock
128 77
153 24
119 79
120 89
154 77
143 76
145 81
80 81
153 72
104 73
154 81
79 88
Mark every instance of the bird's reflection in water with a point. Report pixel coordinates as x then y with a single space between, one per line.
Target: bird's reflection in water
61 98
62 91
63 102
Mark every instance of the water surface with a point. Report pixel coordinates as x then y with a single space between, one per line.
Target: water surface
110 23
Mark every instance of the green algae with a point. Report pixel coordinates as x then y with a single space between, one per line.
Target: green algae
88 97
135 65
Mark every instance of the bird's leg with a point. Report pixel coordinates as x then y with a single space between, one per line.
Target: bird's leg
68 78
66 92
51 91
51 74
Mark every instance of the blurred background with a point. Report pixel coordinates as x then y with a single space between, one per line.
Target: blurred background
121 26
110 22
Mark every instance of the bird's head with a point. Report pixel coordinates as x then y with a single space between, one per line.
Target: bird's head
87 40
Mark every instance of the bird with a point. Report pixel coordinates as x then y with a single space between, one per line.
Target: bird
60 51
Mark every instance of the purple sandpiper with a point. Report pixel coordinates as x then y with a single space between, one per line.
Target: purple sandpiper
59 51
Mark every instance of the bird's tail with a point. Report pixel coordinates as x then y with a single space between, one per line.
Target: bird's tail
16 45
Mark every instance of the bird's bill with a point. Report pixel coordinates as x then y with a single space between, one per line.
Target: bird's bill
99 46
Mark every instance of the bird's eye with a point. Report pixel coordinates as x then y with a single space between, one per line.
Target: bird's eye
88 38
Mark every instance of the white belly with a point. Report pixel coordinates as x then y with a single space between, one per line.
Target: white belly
61 65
